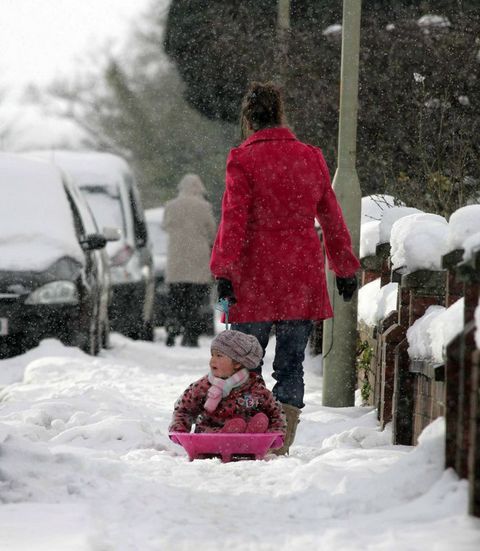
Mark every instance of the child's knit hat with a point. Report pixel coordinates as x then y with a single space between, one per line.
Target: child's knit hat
242 348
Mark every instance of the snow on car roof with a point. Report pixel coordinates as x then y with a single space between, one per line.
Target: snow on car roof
87 167
36 221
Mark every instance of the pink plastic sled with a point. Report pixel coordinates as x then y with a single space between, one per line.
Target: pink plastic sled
239 445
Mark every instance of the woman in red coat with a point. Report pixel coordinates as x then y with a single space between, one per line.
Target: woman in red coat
267 257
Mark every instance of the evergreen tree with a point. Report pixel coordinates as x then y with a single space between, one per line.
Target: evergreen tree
417 136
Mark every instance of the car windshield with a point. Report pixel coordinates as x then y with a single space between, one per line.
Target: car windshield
106 205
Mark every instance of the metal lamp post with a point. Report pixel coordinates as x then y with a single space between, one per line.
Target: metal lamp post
340 333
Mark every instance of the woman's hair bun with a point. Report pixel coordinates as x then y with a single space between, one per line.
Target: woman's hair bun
262 105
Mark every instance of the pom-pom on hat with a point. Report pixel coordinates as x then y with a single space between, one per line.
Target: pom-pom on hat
242 348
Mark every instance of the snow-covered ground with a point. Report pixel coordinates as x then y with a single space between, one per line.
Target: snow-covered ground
86 465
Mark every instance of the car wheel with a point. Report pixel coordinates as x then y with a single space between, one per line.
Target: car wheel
87 336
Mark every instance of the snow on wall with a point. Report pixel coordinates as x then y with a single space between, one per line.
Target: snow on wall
418 336
378 216
431 333
375 302
463 223
370 232
419 241
390 217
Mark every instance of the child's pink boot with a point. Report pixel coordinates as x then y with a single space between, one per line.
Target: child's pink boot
237 424
258 423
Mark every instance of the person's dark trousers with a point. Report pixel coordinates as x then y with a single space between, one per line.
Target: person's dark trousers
291 341
185 301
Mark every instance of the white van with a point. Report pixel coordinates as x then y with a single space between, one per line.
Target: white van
109 187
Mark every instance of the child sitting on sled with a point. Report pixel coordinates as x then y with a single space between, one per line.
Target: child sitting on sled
231 398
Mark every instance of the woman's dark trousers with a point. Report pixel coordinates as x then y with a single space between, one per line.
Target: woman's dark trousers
291 342
184 318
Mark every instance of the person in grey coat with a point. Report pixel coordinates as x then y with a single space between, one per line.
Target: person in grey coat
188 219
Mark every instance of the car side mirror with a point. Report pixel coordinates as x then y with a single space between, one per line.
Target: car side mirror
93 241
111 233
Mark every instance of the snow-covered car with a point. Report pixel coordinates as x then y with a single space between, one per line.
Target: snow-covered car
109 187
54 274
159 239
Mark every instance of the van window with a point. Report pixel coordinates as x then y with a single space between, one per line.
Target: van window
106 205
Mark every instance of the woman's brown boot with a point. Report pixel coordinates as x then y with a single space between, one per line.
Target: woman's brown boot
292 414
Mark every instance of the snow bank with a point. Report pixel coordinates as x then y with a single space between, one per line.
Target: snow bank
85 450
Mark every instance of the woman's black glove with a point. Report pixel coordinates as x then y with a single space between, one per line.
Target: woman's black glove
346 287
225 290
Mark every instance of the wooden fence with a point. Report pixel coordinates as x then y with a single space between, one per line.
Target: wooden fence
411 393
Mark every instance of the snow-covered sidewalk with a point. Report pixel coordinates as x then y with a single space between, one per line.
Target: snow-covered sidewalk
86 465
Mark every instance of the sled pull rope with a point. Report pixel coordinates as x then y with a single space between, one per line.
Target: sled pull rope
223 305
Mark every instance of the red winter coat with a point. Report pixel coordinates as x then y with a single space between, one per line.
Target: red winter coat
244 401
266 243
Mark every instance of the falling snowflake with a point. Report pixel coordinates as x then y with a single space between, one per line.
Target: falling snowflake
418 77
433 21
332 29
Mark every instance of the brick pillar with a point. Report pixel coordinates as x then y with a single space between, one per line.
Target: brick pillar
454 287
383 251
384 383
464 401
469 272
390 339
474 452
452 383
424 288
377 265
403 397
